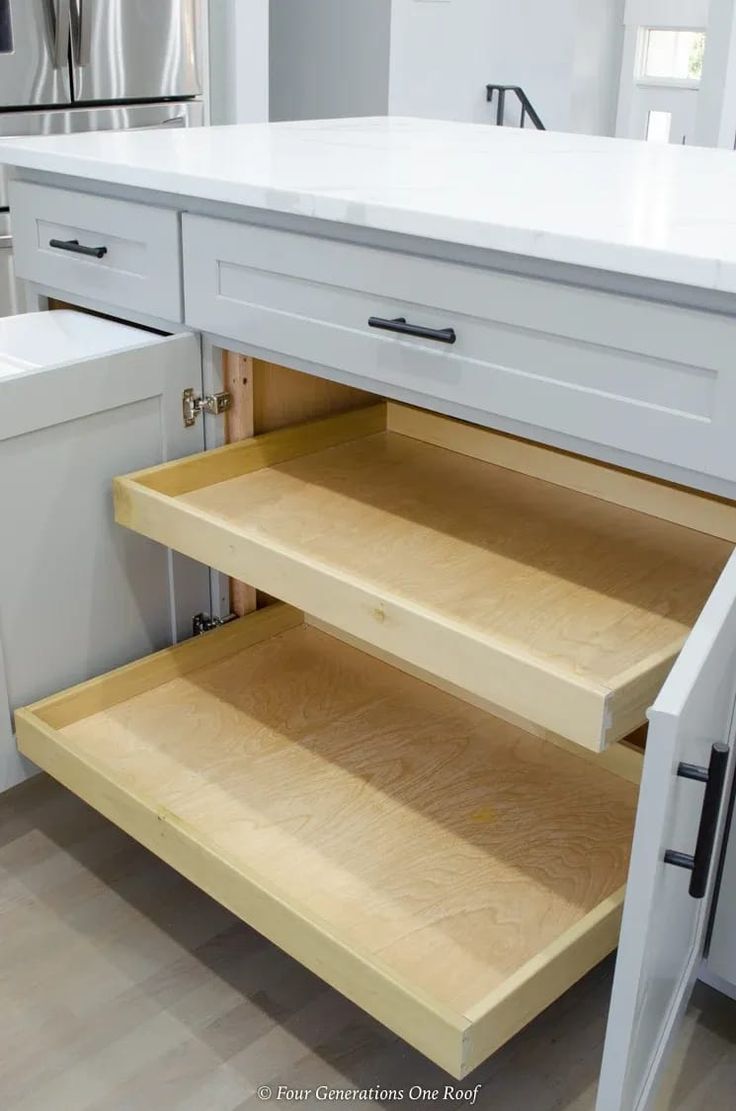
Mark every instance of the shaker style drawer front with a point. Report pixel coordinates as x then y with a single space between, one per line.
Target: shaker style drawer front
121 254
457 550
645 378
448 872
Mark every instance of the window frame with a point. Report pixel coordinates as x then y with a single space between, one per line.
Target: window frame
642 44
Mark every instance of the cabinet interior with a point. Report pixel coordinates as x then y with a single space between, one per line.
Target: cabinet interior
268 396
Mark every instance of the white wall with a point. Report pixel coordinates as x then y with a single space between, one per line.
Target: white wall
715 123
598 48
564 54
329 58
239 61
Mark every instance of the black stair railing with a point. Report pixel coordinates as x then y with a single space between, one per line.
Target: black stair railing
527 108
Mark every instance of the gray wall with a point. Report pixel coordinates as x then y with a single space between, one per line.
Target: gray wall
329 58
238 61
565 54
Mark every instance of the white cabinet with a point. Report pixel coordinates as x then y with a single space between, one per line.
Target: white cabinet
664 926
82 399
649 379
372 530
721 966
122 254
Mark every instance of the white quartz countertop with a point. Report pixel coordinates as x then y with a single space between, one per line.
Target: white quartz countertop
659 212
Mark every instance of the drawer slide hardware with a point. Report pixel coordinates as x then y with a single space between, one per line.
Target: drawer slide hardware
192 405
714 778
204 623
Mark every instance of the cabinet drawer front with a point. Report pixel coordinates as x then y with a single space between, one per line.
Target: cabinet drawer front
649 379
140 266
394 840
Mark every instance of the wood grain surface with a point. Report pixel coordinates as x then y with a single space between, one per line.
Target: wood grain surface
588 597
626 758
682 505
238 377
448 853
265 397
283 396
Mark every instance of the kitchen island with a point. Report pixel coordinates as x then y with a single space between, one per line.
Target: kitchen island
502 541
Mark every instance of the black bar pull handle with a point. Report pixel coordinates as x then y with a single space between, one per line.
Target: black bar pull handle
76 248
714 777
399 324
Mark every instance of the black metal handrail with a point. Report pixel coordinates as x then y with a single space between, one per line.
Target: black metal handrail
527 108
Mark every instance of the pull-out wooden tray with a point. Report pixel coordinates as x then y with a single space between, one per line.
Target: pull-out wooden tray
447 871
460 551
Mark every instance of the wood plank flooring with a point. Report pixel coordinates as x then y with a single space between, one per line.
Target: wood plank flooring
124 988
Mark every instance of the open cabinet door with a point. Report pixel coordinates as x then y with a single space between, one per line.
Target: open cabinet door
664 925
81 401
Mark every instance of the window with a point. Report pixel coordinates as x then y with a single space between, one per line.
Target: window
659 126
672 55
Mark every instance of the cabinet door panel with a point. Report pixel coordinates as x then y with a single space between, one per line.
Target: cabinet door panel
663 930
78 595
722 954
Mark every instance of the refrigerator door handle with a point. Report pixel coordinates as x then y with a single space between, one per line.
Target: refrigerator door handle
62 33
82 33
169 122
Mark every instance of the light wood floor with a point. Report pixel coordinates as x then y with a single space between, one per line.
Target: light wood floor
124 988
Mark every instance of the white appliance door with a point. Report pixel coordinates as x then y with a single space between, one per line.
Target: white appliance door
82 400
667 904
135 50
34 53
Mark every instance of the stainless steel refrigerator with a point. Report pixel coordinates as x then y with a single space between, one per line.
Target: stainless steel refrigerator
94 65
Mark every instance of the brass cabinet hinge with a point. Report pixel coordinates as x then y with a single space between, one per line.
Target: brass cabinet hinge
192 405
